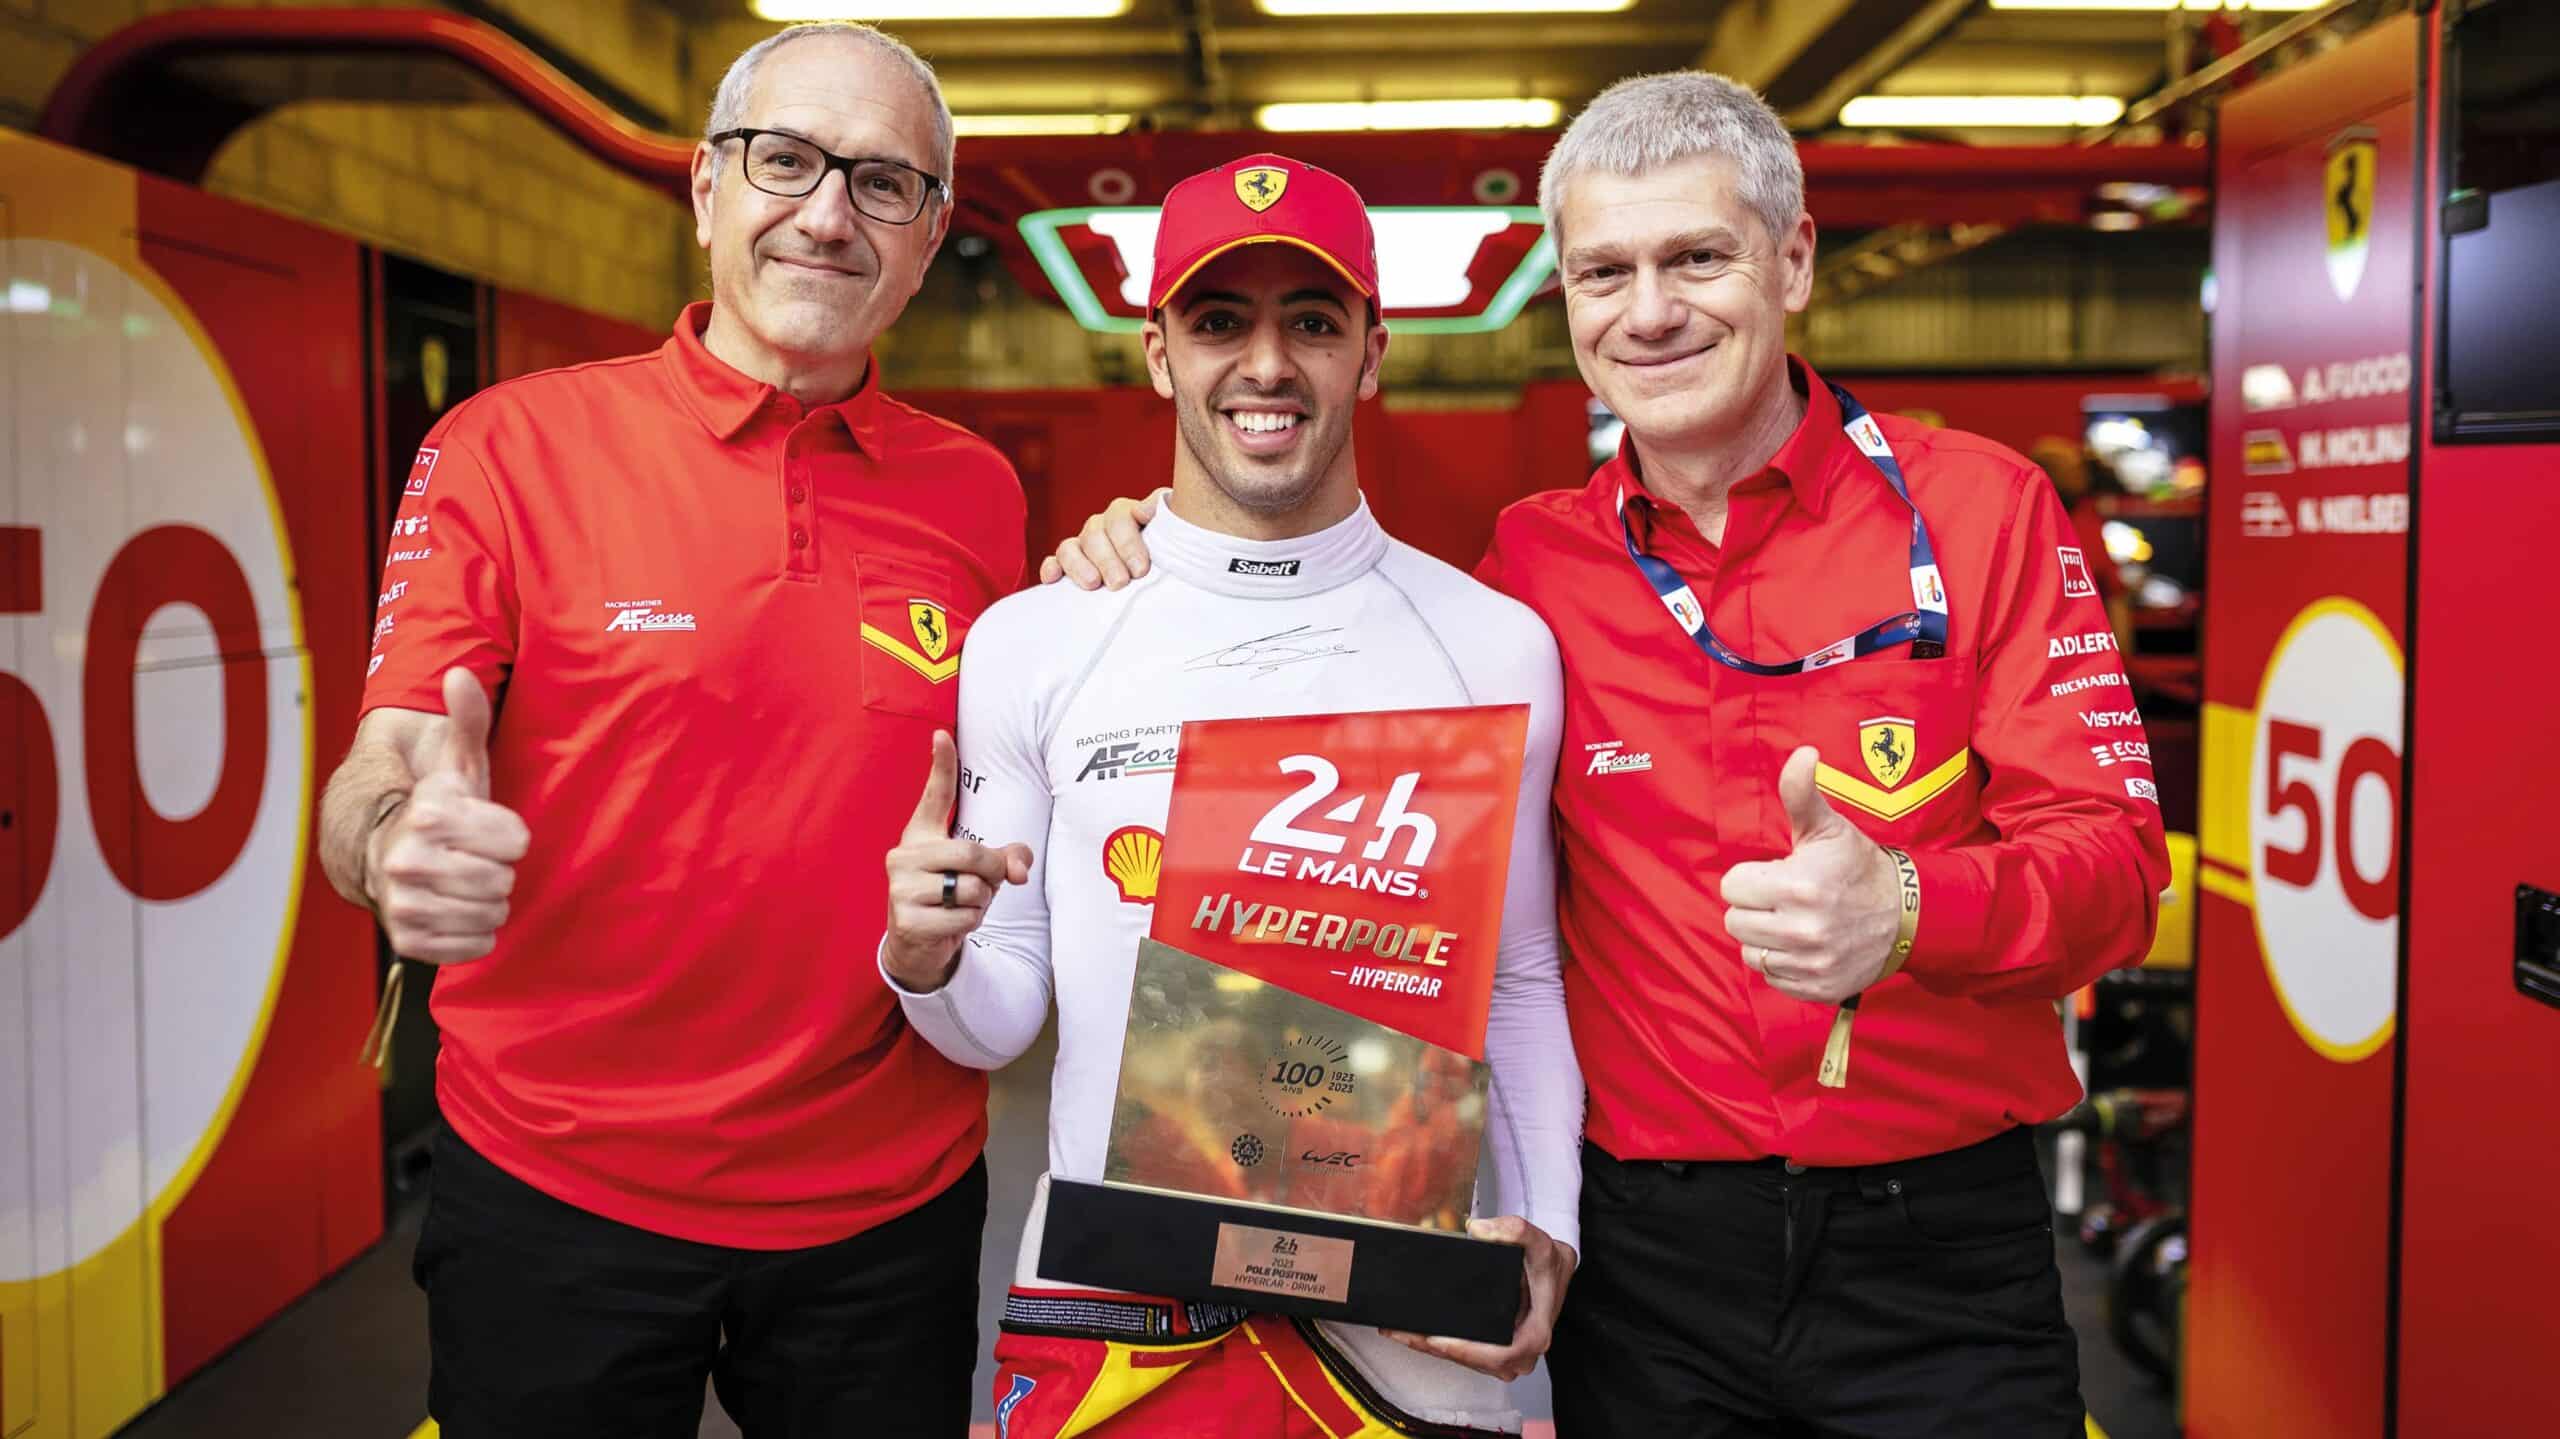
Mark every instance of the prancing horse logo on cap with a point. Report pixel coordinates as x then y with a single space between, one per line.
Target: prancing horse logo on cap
1260 187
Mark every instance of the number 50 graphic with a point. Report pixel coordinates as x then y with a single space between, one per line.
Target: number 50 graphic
2324 825
161 567
155 758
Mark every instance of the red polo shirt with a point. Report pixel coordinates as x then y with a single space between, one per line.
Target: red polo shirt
723 628
2013 769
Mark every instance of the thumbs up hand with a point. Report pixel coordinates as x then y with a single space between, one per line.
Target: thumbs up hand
1820 924
444 862
940 884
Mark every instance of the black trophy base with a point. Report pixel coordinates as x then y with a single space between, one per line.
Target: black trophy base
1287 1261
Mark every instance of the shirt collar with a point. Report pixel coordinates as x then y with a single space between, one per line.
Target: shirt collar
1267 569
1810 462
724 400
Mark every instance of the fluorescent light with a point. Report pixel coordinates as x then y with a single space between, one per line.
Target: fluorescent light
1295 8
1135 242
1423 255
790 10
1410 115
29 297
1964 112
1038 124
2156 5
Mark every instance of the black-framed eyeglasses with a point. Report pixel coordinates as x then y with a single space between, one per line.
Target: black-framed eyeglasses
786 165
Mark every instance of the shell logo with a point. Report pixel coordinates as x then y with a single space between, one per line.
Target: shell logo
1134 858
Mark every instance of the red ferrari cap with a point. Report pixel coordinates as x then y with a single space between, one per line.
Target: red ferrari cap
1259 200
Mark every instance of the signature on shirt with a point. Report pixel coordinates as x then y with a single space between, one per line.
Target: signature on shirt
1271 652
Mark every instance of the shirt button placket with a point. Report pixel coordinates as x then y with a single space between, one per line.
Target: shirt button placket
799 515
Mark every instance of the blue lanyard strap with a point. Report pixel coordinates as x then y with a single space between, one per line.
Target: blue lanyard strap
1924 628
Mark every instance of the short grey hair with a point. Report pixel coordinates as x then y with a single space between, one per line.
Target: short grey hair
1650 121
729 102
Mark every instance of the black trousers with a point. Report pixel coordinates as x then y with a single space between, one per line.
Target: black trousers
1726 1299
547 1322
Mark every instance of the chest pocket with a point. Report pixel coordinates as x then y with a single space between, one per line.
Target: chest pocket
1896 739
914 619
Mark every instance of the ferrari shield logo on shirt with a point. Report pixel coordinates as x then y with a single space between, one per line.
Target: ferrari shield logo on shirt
933 633
1260 187
2346 187
930 655
1886 743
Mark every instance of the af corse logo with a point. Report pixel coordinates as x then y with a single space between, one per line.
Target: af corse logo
1129 757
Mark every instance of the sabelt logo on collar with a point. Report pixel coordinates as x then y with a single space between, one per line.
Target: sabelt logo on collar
1263 569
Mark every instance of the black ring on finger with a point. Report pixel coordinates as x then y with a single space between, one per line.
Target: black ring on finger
951 889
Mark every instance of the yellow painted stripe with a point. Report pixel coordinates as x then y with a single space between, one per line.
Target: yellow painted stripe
897 649
2229 883
1891 804
2222 821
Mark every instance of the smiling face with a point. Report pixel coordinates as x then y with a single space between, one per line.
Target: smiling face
801 288
1264 354
1678 296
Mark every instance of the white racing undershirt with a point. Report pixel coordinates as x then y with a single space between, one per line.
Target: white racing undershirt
1071 704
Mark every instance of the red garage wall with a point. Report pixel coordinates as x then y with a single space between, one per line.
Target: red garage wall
2304 634
537 334
2479 1256
2016 410
295 1188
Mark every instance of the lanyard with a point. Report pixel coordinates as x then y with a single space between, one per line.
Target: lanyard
1924 628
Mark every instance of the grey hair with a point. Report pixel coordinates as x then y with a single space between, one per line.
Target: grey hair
1649 121
729 103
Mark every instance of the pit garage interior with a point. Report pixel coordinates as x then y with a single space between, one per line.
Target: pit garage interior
2274 275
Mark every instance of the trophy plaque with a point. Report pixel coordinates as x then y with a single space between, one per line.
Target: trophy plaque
1303 1085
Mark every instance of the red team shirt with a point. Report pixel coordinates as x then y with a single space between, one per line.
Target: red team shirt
2013 769
722 628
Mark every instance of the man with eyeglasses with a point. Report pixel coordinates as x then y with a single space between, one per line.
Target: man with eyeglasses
662 642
